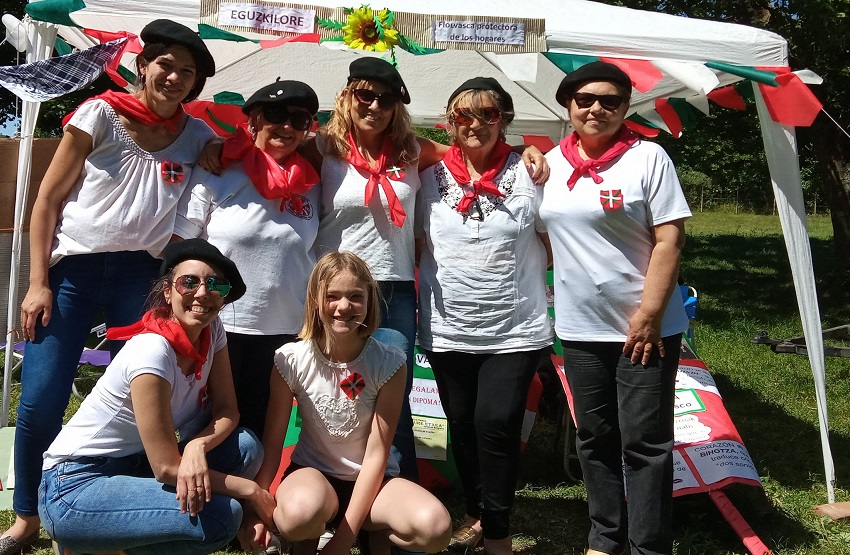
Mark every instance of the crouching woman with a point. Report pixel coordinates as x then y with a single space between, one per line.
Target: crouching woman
152 462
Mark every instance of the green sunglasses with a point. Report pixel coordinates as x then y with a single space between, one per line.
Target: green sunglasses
189 284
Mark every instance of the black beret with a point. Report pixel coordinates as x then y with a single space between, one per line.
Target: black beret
594 71
485 84
164 31
368 68
199 249
288 93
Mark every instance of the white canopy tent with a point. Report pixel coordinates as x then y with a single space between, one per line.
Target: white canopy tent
678 47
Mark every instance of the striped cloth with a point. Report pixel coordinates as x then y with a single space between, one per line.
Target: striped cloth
51 78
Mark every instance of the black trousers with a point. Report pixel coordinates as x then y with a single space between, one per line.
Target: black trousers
624 414
251 360
484 397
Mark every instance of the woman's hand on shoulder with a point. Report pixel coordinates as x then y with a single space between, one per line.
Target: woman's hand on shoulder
210 157
430 152
193 479
536 164
38 301
310 151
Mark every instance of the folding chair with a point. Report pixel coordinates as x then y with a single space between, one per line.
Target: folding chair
94 356
17 354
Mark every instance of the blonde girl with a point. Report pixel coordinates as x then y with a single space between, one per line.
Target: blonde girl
349 389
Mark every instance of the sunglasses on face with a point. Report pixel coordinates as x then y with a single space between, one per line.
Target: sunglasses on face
608 102
190 283
299 120
487 116
366 97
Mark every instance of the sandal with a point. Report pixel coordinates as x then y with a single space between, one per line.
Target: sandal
11 546
466 537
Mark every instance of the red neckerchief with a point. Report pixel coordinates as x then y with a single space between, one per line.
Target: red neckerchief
132 108
377 175
582 167
457 166
171 331
272 180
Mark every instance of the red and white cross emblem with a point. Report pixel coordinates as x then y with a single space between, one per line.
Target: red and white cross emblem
172 172
395 172
611 199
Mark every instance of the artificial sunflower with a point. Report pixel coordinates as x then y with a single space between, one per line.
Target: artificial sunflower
369 30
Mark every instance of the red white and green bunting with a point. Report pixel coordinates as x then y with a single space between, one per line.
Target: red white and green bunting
789 101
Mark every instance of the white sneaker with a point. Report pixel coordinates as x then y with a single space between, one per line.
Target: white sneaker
324 539
274 548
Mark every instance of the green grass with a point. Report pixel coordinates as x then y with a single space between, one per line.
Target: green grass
739 265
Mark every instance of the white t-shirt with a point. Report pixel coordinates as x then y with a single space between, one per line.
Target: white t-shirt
601 237
125 198
337 403
482 282
105 424
272 248
346 224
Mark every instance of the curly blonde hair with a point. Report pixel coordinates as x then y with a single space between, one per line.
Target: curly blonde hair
400 130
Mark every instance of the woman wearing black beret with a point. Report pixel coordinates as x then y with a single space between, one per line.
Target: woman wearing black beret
104 212
262 211
370 161
615 214
152 462
483 319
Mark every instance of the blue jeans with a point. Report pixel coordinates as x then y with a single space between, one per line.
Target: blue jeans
96 504
398 312
624 414
115 283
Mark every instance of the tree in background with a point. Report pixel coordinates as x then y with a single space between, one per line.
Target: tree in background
818 35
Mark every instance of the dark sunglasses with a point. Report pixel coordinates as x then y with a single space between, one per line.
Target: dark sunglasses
608 102
276 114
488 116
366 97
190 283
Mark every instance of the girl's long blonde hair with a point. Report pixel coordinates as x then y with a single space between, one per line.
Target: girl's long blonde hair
400 130
328 267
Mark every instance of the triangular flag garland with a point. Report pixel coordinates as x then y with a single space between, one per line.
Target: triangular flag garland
641 126
669 115
131 46
223 118
643 74
209 32
788 99
54 77
55 11
792 102
684 110
728 97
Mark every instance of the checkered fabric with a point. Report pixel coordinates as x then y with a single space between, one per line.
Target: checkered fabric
51 78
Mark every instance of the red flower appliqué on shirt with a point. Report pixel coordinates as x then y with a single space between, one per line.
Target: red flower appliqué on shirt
353 385
299 206
611 199
172 172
